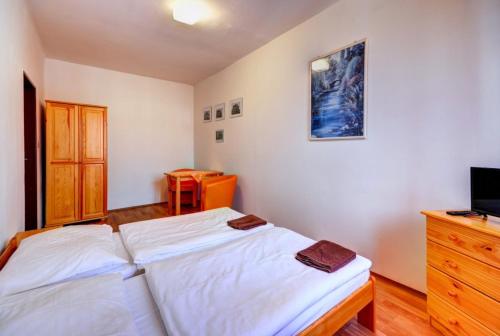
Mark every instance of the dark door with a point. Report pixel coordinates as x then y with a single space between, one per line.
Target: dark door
30 162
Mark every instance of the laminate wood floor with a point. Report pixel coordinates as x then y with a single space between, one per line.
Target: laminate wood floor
400 311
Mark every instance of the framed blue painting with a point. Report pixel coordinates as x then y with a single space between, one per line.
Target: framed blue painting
338 89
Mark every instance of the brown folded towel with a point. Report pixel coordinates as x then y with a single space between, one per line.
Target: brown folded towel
326 256
246 222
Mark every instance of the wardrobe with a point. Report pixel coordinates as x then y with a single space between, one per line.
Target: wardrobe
76 163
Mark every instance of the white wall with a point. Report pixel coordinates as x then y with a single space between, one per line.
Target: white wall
433 97
21 51
150 126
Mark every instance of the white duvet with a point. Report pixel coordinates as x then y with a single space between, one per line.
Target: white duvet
162 238
93 306
251 286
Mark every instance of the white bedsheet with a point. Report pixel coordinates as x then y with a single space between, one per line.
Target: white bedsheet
251 286
93 306
146 316
162 238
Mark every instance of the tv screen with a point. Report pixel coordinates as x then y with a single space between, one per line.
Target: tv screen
485 190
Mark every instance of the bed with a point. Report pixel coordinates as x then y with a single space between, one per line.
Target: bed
254 286
326 315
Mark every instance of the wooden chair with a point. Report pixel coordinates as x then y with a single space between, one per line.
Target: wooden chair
218 192
187 187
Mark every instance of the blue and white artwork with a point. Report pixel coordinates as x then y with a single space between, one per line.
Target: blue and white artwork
338 94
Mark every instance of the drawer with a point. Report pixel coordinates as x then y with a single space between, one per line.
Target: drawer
454 320
464 298
476 274
473 243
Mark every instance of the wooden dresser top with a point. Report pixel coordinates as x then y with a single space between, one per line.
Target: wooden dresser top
488 226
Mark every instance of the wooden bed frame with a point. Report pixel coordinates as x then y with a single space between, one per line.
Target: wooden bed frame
360 303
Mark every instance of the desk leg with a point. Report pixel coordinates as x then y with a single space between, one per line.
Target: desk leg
170 199
178 197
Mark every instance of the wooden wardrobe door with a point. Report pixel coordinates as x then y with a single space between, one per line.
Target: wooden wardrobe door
62 201
93 143
62 194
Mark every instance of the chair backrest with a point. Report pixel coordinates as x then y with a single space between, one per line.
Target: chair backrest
218 192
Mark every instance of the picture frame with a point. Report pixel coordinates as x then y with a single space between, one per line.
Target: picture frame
219 136
337 94
207 114
220 111
236 108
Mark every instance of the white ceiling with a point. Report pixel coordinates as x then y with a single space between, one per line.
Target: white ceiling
139 36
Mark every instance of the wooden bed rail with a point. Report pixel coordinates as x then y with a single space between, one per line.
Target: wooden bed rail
14 242
361 303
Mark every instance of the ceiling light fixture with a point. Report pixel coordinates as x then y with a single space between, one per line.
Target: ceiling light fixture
190 11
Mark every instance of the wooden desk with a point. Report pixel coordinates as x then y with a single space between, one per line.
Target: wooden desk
181 176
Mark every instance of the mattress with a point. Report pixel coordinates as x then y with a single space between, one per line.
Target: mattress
144 311
252 286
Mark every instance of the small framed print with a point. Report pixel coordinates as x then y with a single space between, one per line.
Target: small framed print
207 114
220 112
219 136
236 108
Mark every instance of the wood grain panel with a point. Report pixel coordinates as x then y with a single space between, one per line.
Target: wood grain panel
455 320
62 194
61 133
465 298
93 137
473 243
481 276
93 198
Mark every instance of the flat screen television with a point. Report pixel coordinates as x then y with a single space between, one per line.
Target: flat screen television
485 191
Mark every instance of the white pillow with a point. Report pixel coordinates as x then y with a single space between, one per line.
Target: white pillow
94 306
127 270
58 255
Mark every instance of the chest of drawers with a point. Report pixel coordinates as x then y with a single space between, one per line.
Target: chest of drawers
463 274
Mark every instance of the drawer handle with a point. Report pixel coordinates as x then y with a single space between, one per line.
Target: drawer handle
487 248
453 321
453 237
451 264
452 293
